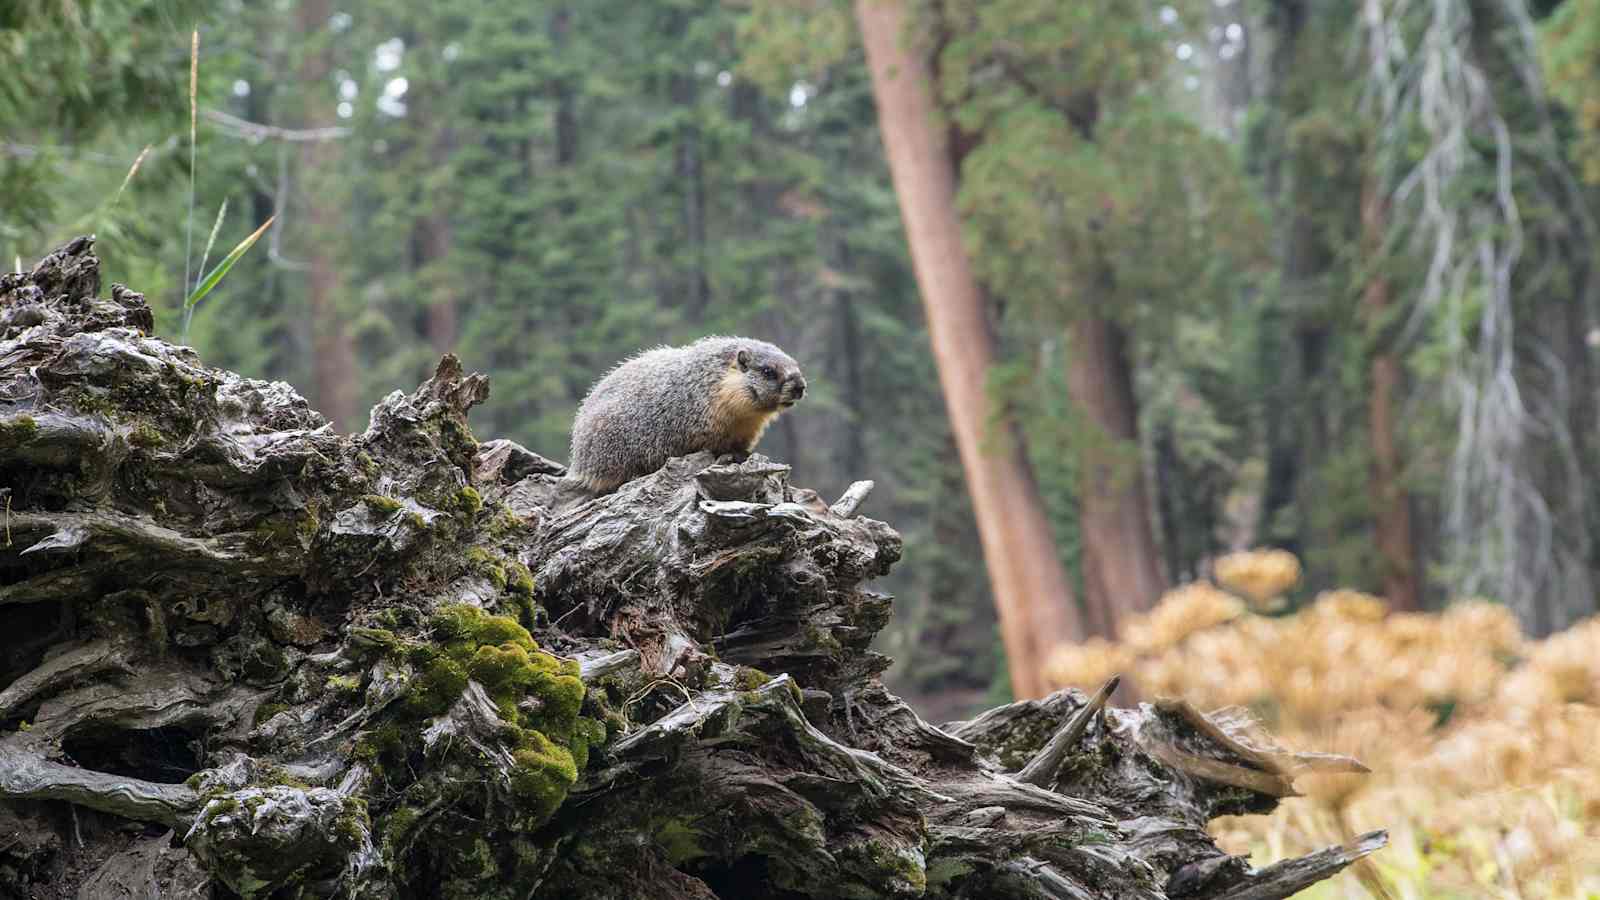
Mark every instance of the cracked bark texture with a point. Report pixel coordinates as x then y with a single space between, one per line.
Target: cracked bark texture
248 656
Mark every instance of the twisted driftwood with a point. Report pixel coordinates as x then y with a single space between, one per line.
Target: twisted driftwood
245 655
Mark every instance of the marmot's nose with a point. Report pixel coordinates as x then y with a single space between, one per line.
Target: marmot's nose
798 386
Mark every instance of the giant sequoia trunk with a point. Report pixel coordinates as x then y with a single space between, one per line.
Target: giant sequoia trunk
333 364
1031 595
248 656
1391 502
1121 569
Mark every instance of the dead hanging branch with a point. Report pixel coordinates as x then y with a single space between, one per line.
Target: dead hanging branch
1516 524
255 132
396 665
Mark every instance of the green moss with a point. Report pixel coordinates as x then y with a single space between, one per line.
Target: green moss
906 866
542 775
344 685
381 640
748 679
436 687
461 622
380 504
383 746
459 435
272 774
562 695
19 430
520 580
500 668
523 607
486 564
502 630
145 436
537 695
353 824
455 621
398 826
586 734
505 522
222 806
679 842
266 711
89 401
469 501
264 661
281 531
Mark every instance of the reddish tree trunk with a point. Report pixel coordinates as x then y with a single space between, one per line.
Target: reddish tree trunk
1031 593
443 325
1121 568
333 366
1391 504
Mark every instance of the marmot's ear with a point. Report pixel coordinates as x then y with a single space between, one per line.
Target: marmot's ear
743 359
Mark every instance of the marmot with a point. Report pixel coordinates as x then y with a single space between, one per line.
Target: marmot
717 394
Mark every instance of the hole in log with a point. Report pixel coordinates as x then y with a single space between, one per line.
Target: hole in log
16 568
747 878
29 629
166 755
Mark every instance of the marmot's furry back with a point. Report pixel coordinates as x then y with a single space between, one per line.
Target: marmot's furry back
717 394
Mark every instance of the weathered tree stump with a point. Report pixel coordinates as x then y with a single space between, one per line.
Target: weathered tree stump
245 655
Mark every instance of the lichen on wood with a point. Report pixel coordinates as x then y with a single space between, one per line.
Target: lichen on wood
404 663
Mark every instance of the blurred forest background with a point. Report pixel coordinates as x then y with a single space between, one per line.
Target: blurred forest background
1317 275
1214 238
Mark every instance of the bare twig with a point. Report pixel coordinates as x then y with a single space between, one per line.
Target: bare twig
1041 770
853 498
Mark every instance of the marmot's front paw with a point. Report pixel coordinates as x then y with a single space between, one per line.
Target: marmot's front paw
732 458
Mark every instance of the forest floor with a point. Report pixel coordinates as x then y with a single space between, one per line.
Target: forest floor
1482 742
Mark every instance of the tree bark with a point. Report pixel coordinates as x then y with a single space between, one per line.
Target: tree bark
1121 567
333 368
1391 503
1034 601
433 240
433 233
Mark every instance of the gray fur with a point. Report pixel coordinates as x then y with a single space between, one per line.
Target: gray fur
660 404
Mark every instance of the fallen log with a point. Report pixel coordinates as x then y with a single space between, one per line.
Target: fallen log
248 656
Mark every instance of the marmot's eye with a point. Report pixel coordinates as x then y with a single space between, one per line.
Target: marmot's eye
770 372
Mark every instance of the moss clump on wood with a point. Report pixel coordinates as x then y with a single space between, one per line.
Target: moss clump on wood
266 711
286 532
485 564
748 679
537 695
18 429
383 506
145 436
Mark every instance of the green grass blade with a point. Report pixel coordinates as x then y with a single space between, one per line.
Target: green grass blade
139 161
205 255
204 287
194 119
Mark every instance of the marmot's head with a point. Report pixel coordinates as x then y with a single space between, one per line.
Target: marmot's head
770 375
